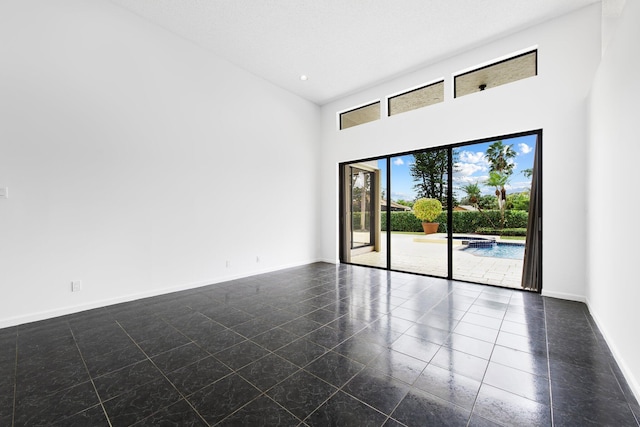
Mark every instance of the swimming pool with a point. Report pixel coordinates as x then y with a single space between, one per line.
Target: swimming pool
498 250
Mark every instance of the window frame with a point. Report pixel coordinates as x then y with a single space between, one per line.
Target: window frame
339 114
415 89
493 63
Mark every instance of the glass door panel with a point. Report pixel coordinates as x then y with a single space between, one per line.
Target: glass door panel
365 244
416 248
361 208
492 181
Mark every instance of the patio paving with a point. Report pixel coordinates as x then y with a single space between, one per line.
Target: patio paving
427 254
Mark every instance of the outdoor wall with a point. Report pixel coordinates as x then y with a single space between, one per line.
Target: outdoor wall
554 101
139 163
612 276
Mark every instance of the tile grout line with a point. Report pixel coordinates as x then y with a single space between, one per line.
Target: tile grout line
15 383
338 389
95 389
302 368
475 401
350 353
165 377
236 371
444 297
253 400
546 337
591 323
602 343
328 398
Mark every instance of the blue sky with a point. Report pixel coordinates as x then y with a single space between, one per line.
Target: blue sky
472 167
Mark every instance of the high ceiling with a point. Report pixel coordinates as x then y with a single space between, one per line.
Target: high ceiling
342 45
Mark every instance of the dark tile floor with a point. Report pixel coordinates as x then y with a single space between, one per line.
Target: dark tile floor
318 345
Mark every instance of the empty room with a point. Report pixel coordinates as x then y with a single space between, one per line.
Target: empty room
215 213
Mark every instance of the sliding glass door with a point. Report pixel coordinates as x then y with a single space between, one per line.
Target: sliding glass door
363 241
460 212
362 209
493 185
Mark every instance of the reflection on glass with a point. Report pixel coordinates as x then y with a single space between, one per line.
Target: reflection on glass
360 208
417 98
360 115
487 220
503 72
413 177
492 182
366 219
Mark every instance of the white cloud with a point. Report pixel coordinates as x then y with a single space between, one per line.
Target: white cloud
470 163
524 148
470 157
401 196
398 161
520 186
462 180
468 169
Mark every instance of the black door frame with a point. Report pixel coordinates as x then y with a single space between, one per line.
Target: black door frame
450 148
372 220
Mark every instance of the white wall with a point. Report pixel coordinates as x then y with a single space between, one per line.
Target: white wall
613 281
554 101
139 163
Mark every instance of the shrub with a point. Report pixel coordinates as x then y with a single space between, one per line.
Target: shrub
463 221
355 218
427 210
401 221
521 232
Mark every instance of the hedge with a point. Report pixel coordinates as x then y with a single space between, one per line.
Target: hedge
520 232
463 221
401 221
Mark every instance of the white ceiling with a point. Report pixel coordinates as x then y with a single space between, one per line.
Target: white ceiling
342 45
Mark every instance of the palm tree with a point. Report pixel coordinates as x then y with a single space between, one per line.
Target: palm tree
499 180
499 157
473 194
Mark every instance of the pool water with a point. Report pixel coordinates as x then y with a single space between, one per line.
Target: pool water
499 250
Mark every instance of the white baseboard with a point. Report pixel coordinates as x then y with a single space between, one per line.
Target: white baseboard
63 311
562 295
329 261
634 385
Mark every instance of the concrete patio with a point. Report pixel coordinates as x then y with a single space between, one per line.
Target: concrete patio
427 254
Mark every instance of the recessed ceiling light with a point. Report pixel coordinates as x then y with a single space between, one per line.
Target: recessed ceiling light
304 78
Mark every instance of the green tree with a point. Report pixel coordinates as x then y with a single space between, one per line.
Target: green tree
473 193
429 171
499 180
487 202
500 158
518 201
408 203
360 199
474 196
